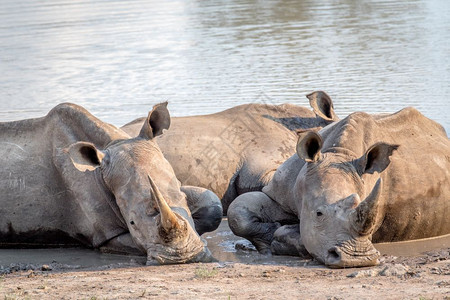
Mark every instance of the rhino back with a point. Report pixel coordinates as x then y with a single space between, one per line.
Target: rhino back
416 183
208 150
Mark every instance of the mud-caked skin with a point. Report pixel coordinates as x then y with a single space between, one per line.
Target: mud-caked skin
69 178
238 150
362 180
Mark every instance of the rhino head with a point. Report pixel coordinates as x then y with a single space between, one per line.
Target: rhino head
340 201
142 185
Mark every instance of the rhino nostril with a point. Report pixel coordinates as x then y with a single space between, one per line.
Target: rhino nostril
333 255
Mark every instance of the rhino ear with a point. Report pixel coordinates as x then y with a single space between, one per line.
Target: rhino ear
309 145
85 156
158 120
376 159
322 105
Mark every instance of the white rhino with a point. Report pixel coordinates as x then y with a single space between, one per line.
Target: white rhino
69 178
363 180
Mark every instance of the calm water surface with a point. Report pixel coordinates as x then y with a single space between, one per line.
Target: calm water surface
118 58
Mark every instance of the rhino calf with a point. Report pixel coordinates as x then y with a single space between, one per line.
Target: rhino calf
70 178
362 180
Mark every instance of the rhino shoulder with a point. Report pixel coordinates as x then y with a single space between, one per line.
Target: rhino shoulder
67 108
281 186
81 122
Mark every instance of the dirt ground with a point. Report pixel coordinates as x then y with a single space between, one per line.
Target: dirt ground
421 277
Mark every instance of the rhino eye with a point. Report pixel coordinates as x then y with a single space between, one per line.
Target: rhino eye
319 213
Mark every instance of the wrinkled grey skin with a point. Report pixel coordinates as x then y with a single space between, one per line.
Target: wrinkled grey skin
364 179
238 150
69 178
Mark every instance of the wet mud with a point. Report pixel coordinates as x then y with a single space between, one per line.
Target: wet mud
224 245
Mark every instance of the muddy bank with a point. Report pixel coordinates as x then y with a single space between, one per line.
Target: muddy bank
423 277
241 273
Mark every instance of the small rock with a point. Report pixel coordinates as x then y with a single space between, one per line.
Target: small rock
31 274
364 273
436 271
219 265
266 274
395 270
46 268
443 283
244 246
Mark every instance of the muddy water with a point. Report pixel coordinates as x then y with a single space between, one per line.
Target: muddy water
226 247
411 248
65 258
221 242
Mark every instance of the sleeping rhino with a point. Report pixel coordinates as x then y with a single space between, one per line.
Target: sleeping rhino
363 180
69 178
238 150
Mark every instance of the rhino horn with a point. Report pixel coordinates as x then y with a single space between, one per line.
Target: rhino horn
365 214
169 219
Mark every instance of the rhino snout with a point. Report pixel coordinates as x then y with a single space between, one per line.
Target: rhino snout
336 257
203 256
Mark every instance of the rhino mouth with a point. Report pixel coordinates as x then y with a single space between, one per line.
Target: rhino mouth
353 253
165 256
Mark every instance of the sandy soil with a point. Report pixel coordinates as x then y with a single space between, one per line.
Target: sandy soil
421 277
